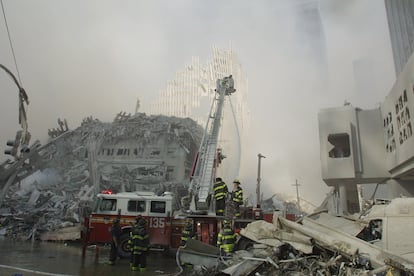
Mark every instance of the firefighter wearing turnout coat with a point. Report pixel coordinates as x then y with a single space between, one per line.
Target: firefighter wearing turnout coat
237 197
187 233
139 243
220 193
226 239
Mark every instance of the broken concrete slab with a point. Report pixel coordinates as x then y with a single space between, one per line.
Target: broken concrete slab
130 153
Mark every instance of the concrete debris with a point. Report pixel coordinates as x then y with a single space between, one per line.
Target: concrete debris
53 186
63 127
313 246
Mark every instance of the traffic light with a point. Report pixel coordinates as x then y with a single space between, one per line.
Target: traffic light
24 147
13 150
13 144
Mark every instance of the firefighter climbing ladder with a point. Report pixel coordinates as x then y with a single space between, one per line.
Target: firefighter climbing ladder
203 177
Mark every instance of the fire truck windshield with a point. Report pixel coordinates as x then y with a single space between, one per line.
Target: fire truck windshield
105 204
108 205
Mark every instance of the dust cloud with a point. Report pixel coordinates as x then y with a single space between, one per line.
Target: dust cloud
80 58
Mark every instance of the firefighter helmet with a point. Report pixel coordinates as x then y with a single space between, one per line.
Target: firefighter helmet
141 222
236 181
226 222
188 225
218 179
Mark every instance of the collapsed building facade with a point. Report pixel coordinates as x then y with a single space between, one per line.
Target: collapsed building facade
58 181
135 152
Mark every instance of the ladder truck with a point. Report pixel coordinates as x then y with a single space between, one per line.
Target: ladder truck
164 223
209 155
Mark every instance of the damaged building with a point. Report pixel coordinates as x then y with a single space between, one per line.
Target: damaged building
58 181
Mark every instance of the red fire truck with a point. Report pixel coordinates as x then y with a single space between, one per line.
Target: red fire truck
164 225
164 230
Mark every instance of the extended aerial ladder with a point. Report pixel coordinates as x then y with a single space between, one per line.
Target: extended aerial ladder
209 156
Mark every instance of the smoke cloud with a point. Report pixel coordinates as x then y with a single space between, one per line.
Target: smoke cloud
80 58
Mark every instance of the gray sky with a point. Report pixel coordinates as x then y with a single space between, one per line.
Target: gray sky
79 58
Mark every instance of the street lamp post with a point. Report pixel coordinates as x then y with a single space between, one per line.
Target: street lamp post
259 156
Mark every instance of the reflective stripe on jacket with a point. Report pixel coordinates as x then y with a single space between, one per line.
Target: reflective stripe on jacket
226 239
220 190
238 196
138 240
187 233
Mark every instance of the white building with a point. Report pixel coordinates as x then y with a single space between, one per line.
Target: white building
371 146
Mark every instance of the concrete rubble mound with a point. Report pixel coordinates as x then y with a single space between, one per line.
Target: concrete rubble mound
46 194
318 244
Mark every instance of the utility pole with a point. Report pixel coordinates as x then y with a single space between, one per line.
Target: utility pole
297 194
259 156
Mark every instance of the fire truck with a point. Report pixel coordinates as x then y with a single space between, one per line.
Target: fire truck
164 223
164 229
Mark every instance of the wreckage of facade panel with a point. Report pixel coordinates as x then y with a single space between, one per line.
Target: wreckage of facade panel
60 179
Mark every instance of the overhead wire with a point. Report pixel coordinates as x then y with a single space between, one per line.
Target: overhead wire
11 43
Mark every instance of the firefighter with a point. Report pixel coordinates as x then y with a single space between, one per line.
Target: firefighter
116 235
237 197
220 192
226 239
139 243
187 233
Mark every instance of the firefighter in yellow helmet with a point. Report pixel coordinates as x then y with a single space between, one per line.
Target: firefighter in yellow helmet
139 244
237 197
220 193
226 239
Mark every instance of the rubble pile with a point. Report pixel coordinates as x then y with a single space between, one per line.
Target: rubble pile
320 244
285 260
74 166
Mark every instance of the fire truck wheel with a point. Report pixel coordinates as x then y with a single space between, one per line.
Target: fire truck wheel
123 251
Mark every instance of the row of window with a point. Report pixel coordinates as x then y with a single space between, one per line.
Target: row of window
388 120
403 123
390 147
403 118
138 206
405 133
127 151
401 102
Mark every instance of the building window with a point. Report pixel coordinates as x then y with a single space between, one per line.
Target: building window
155 152
341 145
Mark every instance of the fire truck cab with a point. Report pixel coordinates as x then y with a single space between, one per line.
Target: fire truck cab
157 210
